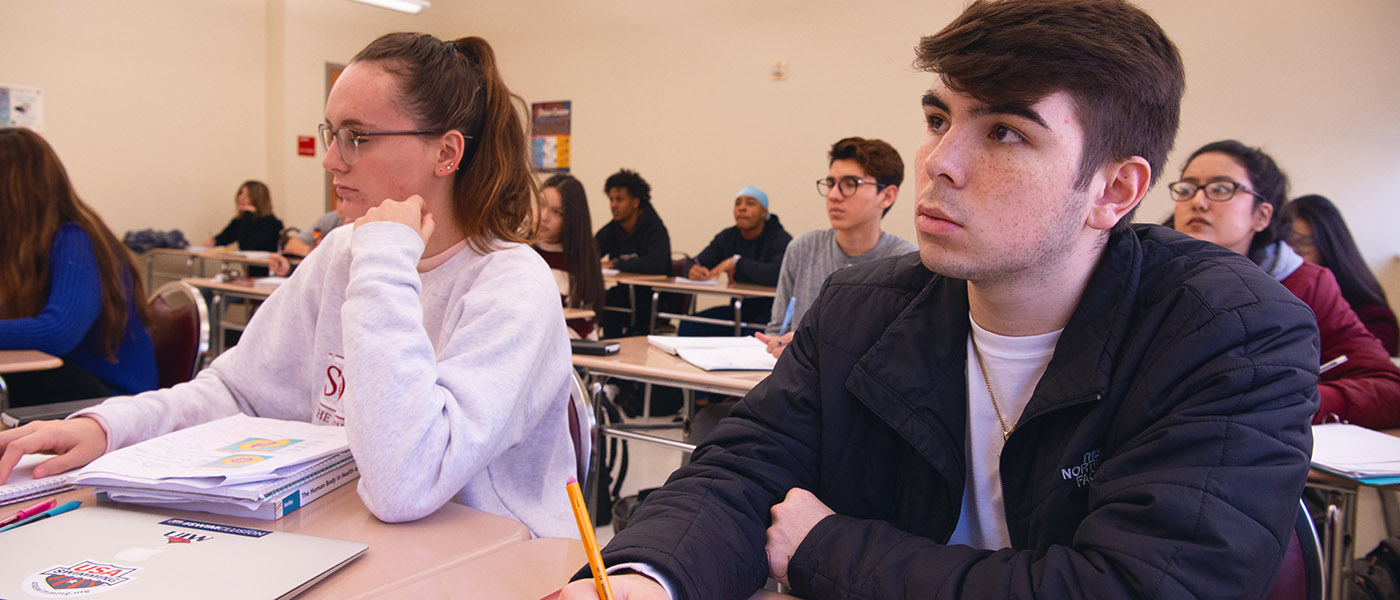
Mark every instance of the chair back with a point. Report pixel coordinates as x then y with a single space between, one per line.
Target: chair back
1301 576
583 429
179 331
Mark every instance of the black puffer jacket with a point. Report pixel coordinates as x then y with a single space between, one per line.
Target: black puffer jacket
1162 453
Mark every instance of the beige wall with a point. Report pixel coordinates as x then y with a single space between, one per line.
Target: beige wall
160 108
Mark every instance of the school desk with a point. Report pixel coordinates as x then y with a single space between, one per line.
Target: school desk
399 554
639 361
222 292
1338 535
195 256
735 292
578 313
19 361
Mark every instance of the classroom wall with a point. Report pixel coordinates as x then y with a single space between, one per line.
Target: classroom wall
161 108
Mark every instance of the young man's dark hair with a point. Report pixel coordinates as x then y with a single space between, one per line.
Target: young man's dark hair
879 159
632 182
1126 80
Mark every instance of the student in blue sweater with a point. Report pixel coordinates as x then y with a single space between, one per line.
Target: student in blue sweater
70 289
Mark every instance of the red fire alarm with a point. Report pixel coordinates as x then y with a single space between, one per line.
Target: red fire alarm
306 145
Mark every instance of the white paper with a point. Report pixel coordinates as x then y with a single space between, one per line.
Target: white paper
730 359
232 450
672 344
704 282
1355 451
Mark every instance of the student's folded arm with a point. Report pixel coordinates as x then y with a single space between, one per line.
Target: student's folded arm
703 533
421 421
1196 500
1363 390
73 304
655 256
713 253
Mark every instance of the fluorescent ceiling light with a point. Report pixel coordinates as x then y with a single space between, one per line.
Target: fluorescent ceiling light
411 7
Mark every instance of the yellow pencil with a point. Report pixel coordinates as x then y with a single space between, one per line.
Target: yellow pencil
590 543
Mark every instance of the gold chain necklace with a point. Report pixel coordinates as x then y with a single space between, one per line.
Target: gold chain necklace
1005 433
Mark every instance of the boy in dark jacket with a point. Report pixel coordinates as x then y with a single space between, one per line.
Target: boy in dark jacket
749 252
1046 401
635 241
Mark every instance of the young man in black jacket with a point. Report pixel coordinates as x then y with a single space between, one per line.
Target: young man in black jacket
1045 402
749 252
635 241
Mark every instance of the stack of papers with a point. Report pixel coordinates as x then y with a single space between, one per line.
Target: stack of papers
744 353
1368 456
240 465
705 282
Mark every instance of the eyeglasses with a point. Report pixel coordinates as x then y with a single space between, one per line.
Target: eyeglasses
1216 191
349 139
847 185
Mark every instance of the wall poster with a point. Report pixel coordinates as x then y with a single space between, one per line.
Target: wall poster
550 143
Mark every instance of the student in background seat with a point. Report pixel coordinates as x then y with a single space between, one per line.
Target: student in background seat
564 238
1231 194
428 329
1320 236
67 286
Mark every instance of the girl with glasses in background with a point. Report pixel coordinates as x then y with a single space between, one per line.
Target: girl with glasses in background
1232 194
428 329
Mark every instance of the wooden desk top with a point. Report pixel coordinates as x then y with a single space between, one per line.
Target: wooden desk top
240 289
669 284
398 553
639 361
17 361
578 313
528 570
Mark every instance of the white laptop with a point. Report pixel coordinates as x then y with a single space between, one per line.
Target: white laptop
116 554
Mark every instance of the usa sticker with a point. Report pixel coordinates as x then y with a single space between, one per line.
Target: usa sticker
83 579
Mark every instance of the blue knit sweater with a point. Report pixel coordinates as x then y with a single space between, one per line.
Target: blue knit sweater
67 326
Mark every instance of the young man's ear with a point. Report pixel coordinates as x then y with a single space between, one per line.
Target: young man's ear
888 196
1118 188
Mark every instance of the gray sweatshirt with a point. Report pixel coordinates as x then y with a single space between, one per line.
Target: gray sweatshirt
810 259
452 383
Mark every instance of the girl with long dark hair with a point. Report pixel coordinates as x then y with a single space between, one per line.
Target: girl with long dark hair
67 286
1320 235
564 238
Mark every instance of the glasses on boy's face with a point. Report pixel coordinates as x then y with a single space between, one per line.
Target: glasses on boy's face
1216 191
349 139
847 185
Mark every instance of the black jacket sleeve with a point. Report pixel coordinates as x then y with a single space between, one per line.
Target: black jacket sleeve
763 269
718 250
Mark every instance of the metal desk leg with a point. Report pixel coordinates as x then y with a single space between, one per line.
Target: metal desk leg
150 270
1338 542
655 306
217 324
738 320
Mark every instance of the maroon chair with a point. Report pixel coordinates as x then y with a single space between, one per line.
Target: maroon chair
179 331
1300 577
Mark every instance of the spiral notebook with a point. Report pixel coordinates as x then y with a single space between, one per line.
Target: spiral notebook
22 485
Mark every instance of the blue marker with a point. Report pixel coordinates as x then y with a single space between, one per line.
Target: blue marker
787 319
44 515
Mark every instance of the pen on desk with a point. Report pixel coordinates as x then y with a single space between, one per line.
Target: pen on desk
787 318
1327 366
590 544
29 512
43 515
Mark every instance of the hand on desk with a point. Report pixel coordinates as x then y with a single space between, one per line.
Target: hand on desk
793 519
77 442
698 273
776 343
628 586
278 264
